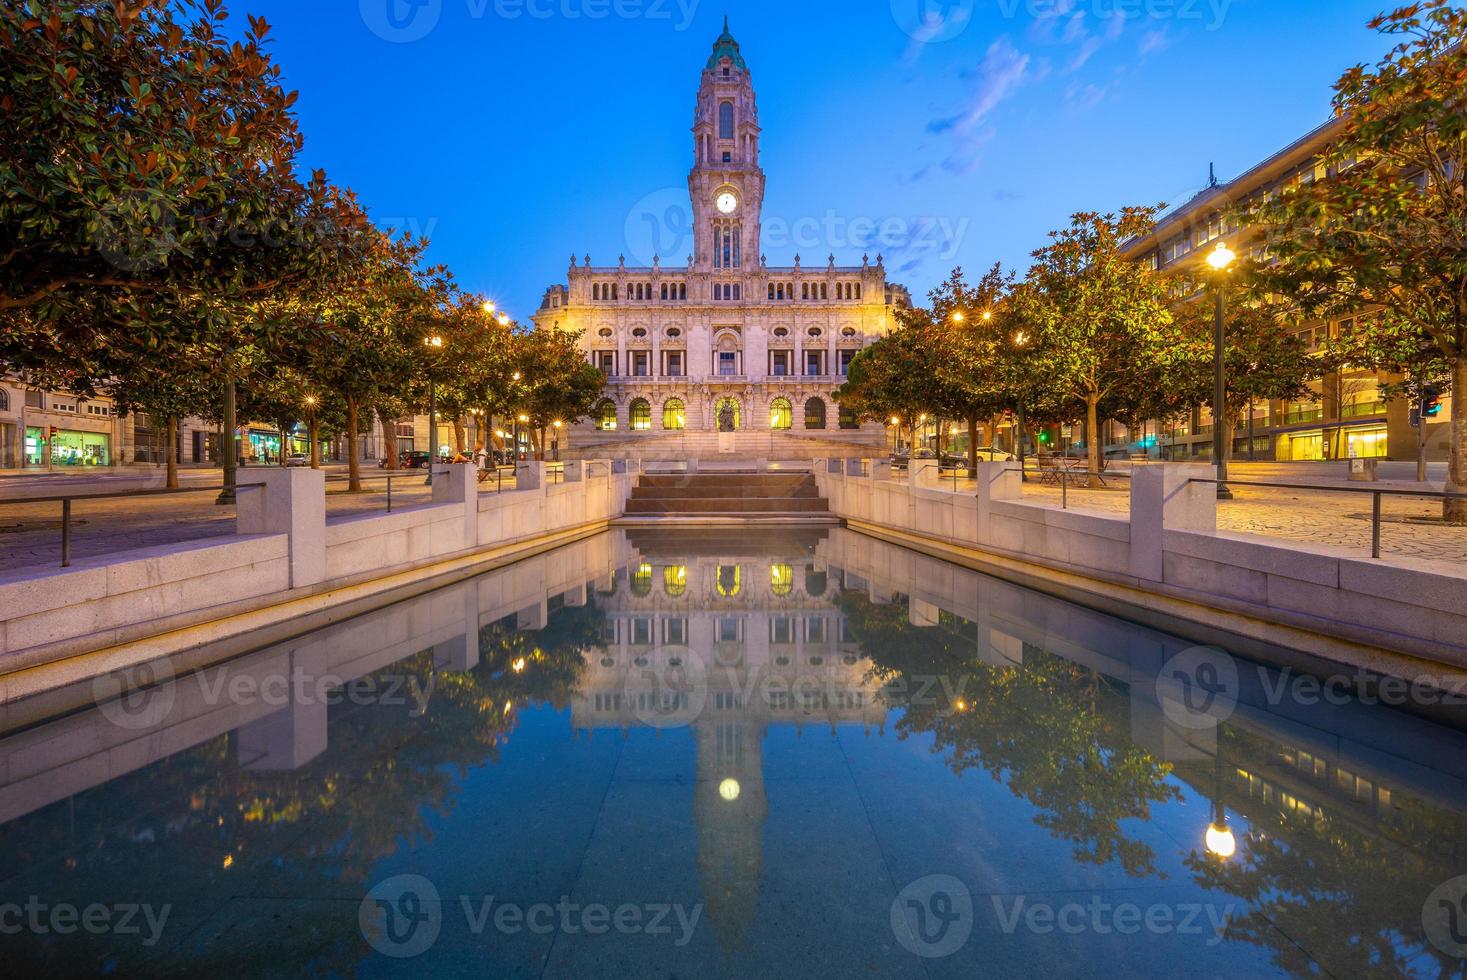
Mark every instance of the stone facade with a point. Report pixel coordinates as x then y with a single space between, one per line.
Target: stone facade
726 336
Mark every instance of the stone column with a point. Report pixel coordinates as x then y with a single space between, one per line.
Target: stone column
1163 499
996 481
459 484
530 475
290 502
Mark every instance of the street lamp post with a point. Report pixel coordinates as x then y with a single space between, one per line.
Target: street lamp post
311 402
434 344
1221 260
231 428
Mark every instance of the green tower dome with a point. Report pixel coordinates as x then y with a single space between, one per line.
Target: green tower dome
726 47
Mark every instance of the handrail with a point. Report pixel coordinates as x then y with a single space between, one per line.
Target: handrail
1377 496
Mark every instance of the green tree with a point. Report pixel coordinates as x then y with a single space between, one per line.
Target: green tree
1098 318
1385 227
557 385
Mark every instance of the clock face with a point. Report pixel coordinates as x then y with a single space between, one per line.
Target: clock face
727 202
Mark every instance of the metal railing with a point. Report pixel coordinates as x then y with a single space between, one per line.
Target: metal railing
65 500
1377 494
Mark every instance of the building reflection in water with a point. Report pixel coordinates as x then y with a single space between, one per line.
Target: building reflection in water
1330 824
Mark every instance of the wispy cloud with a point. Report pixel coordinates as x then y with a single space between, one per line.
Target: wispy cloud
1154 42
1002 71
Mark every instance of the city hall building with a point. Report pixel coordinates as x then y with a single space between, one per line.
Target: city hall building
726 344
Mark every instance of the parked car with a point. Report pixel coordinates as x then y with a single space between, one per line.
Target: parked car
902 458
298 459
987 454
415 460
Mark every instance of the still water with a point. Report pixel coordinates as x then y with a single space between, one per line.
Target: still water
658 755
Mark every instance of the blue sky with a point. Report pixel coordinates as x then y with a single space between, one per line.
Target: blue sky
515 132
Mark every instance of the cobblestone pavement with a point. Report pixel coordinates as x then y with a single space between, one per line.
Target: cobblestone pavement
30 534
1310 516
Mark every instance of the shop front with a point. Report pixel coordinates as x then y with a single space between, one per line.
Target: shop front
264 447
67 448
9 451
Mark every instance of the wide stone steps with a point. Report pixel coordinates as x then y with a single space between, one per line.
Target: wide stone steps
727 495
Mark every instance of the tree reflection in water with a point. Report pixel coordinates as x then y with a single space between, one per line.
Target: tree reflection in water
205 824
1054 732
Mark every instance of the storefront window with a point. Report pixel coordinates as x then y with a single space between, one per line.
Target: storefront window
1367 444
67 448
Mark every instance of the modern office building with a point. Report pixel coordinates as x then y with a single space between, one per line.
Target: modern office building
1346 414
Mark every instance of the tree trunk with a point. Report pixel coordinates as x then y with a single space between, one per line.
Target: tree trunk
284 447
315 437
389 443
353 463
1455 511
973 445
1092 440
458 435
172 453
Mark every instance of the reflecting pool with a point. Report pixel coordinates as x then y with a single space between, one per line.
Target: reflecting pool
679 755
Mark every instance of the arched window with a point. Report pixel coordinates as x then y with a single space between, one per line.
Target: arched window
815 413
781 580
848 419
641 415
642 581
674 415
675 580
730 580
4 400
815 582
606 416
725 121
781 415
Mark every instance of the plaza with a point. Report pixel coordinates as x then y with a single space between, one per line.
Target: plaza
1080 603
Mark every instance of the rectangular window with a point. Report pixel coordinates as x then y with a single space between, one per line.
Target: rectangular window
781 363
606 361
813 363
642 632
728 630
846 356
727 362
674 364
35 399
641 364
677 632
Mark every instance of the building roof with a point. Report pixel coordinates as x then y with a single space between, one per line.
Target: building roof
726 47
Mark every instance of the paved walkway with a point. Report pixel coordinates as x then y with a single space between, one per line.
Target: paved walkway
30 534
1314 517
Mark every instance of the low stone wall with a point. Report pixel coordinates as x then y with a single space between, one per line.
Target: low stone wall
1171 546
285 549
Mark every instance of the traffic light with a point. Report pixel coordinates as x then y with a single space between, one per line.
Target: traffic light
54 432
1431 403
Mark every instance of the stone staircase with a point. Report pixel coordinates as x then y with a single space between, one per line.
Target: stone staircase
729 496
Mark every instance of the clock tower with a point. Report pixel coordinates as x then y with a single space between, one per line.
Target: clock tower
726 184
